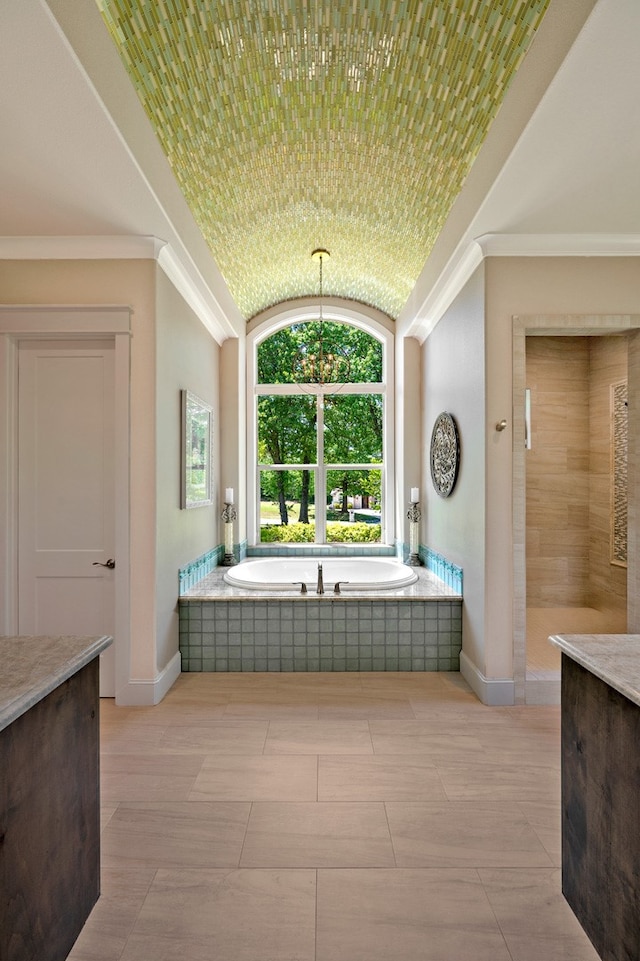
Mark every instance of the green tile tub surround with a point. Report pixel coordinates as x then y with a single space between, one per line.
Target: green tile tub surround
349 125
320 634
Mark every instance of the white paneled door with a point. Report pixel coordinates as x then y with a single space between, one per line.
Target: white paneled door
66 558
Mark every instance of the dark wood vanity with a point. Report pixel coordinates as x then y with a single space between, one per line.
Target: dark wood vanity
601 788
49 793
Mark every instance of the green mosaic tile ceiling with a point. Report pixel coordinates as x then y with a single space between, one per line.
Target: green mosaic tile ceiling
295 125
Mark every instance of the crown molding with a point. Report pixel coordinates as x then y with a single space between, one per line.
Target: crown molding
199 297
559 245
449 284
81 248
469 257
195 291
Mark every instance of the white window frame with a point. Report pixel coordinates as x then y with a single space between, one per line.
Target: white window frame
277 319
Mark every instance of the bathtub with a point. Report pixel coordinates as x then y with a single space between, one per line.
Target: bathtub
353 573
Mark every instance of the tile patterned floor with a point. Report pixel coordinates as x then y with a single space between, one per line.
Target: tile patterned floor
330 817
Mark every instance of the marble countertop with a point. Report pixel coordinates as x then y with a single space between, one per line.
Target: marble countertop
427 587
32 667
614 658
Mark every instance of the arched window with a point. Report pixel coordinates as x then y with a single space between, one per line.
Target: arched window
320 424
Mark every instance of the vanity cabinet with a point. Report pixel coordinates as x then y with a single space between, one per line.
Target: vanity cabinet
601 789
49 793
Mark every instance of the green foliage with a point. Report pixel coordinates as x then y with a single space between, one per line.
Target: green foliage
277 354
287 424
289 534
358 533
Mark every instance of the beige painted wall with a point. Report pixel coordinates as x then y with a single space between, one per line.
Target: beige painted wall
233 431
453 380
524 286
408 431
126 282
187 358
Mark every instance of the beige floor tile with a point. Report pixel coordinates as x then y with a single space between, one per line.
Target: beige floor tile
469 786
517 781
405 914
256 779
317 835
196 834
546 820
273 708
318 737
378 778
534 915
131 738
215 737
241 915
419 737
363 706
123 890
463 834
147 777
530 948
406 683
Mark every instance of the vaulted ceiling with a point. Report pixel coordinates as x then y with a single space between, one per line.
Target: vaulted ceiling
295 125
404 135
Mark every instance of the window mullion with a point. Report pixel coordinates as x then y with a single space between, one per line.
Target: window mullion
321 475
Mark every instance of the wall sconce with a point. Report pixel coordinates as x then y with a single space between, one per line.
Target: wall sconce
413 515
228 515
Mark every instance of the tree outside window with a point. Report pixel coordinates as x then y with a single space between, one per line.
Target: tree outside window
320 415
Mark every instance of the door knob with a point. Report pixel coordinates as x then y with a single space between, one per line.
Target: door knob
110 564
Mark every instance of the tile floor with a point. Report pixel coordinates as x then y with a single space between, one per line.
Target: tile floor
330 817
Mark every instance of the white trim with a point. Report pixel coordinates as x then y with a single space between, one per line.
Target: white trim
201 299
306 309
495 692
469 256
60 320
365 318
560 245
195 291
57 323
148 693
449 284
117 247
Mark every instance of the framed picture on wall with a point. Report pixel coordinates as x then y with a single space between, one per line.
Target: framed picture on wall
197 431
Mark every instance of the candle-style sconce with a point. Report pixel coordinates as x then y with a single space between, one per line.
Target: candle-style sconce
229 514
413 516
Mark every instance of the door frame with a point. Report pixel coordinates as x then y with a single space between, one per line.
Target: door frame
63 323
564 325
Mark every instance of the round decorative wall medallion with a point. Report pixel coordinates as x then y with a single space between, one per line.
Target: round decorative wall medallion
445 454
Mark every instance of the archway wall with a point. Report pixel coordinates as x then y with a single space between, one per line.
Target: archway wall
557 295
453 380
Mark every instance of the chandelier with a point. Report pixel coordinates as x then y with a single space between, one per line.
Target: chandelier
313 363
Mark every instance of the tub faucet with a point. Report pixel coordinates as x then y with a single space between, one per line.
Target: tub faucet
320 584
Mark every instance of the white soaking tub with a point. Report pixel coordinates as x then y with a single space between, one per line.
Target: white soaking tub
352 573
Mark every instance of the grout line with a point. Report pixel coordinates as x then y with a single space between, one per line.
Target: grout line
246 831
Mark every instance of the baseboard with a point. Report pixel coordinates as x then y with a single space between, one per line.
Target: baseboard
145 693
495 692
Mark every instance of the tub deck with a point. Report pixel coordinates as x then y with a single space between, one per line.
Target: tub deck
214 587
413 628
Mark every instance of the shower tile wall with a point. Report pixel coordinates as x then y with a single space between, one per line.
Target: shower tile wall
608 365
568 471
557 472
320 635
